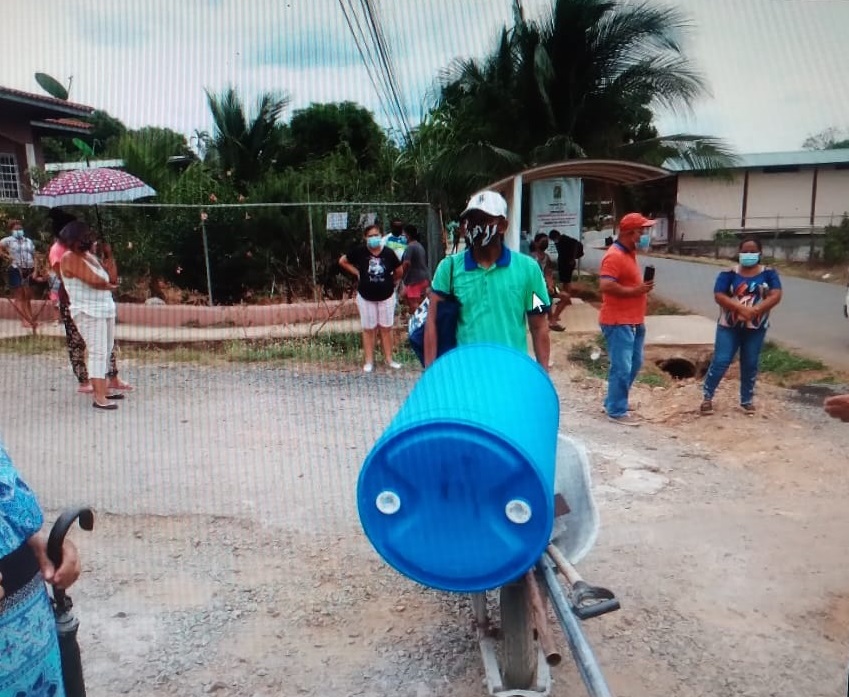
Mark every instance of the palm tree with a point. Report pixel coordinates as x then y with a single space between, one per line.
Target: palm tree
146 153
243 146
582 81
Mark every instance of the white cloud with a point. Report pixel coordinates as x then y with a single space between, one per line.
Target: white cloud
776 67
777 70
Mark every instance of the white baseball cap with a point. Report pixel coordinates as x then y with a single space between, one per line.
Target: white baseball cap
489 202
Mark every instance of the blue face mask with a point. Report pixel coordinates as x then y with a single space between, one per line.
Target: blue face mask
18 233
373 242
749 259
645 241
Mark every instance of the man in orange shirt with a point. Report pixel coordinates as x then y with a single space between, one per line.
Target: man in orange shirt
623 314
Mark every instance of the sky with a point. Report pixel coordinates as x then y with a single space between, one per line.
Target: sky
778 70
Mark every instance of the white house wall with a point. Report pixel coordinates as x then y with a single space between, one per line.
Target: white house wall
780 199
710 205
832 195
774 200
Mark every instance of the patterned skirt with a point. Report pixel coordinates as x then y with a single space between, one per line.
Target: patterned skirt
30 665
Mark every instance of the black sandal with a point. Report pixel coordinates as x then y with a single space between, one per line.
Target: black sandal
114 396
105 407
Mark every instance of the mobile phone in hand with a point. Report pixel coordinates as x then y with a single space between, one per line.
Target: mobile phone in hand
648 274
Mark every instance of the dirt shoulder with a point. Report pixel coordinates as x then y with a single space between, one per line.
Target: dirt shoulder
227 558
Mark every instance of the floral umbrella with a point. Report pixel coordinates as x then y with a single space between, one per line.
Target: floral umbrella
90 186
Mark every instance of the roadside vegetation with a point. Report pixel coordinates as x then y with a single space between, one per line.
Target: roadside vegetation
327 347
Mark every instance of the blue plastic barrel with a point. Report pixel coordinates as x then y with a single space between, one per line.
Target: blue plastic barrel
458 493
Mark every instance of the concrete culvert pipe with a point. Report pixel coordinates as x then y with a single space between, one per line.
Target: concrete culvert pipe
678 368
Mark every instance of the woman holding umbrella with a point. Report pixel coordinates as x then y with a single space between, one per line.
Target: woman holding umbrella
30 662
73 338
89 285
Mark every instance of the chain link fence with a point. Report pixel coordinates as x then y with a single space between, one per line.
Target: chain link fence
234 253
785 238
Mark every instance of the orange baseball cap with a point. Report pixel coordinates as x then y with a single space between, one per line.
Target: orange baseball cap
634 221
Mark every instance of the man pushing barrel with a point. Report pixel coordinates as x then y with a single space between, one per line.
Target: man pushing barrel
501 294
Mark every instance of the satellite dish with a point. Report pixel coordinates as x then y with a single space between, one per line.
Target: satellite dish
52 86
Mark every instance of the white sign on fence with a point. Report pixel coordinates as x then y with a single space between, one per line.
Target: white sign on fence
556 205
337 221
367 219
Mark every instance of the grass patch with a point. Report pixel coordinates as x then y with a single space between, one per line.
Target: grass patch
781 362
187 353
32 345
652 380
591 356
338 347
827 380
663 307
586 288
343 347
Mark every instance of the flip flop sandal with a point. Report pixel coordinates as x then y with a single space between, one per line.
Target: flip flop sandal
104 407
123 387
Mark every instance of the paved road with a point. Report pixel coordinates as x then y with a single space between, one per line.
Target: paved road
809 319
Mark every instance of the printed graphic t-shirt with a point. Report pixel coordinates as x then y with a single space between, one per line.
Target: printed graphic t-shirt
376 282
750 291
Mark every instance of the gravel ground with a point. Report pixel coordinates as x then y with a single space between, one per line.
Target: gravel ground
227 558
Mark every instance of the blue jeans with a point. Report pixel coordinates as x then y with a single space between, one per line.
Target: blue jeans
728 341
625 349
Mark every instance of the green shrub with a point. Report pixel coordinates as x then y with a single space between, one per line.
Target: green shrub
592 356
836 249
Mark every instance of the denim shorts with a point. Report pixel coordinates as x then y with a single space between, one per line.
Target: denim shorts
19 278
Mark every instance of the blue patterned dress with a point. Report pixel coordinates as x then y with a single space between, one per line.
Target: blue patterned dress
29 651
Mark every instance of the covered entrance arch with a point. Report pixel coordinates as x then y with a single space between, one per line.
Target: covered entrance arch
618 173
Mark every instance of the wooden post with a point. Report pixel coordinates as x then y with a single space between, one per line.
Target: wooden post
814 196
745 199
206 260
312 255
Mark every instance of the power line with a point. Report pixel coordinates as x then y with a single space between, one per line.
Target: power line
386 60
373 48
381 66
362 43
362 47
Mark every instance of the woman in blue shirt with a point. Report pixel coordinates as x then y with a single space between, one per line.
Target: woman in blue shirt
745 295
29 649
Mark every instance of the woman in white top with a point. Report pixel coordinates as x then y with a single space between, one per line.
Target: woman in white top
89 285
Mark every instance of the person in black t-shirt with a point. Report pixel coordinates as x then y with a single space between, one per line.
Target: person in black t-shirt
377 270
569 250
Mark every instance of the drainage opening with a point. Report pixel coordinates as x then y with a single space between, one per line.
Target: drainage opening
678 368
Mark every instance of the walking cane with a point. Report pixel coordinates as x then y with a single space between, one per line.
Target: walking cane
66 623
